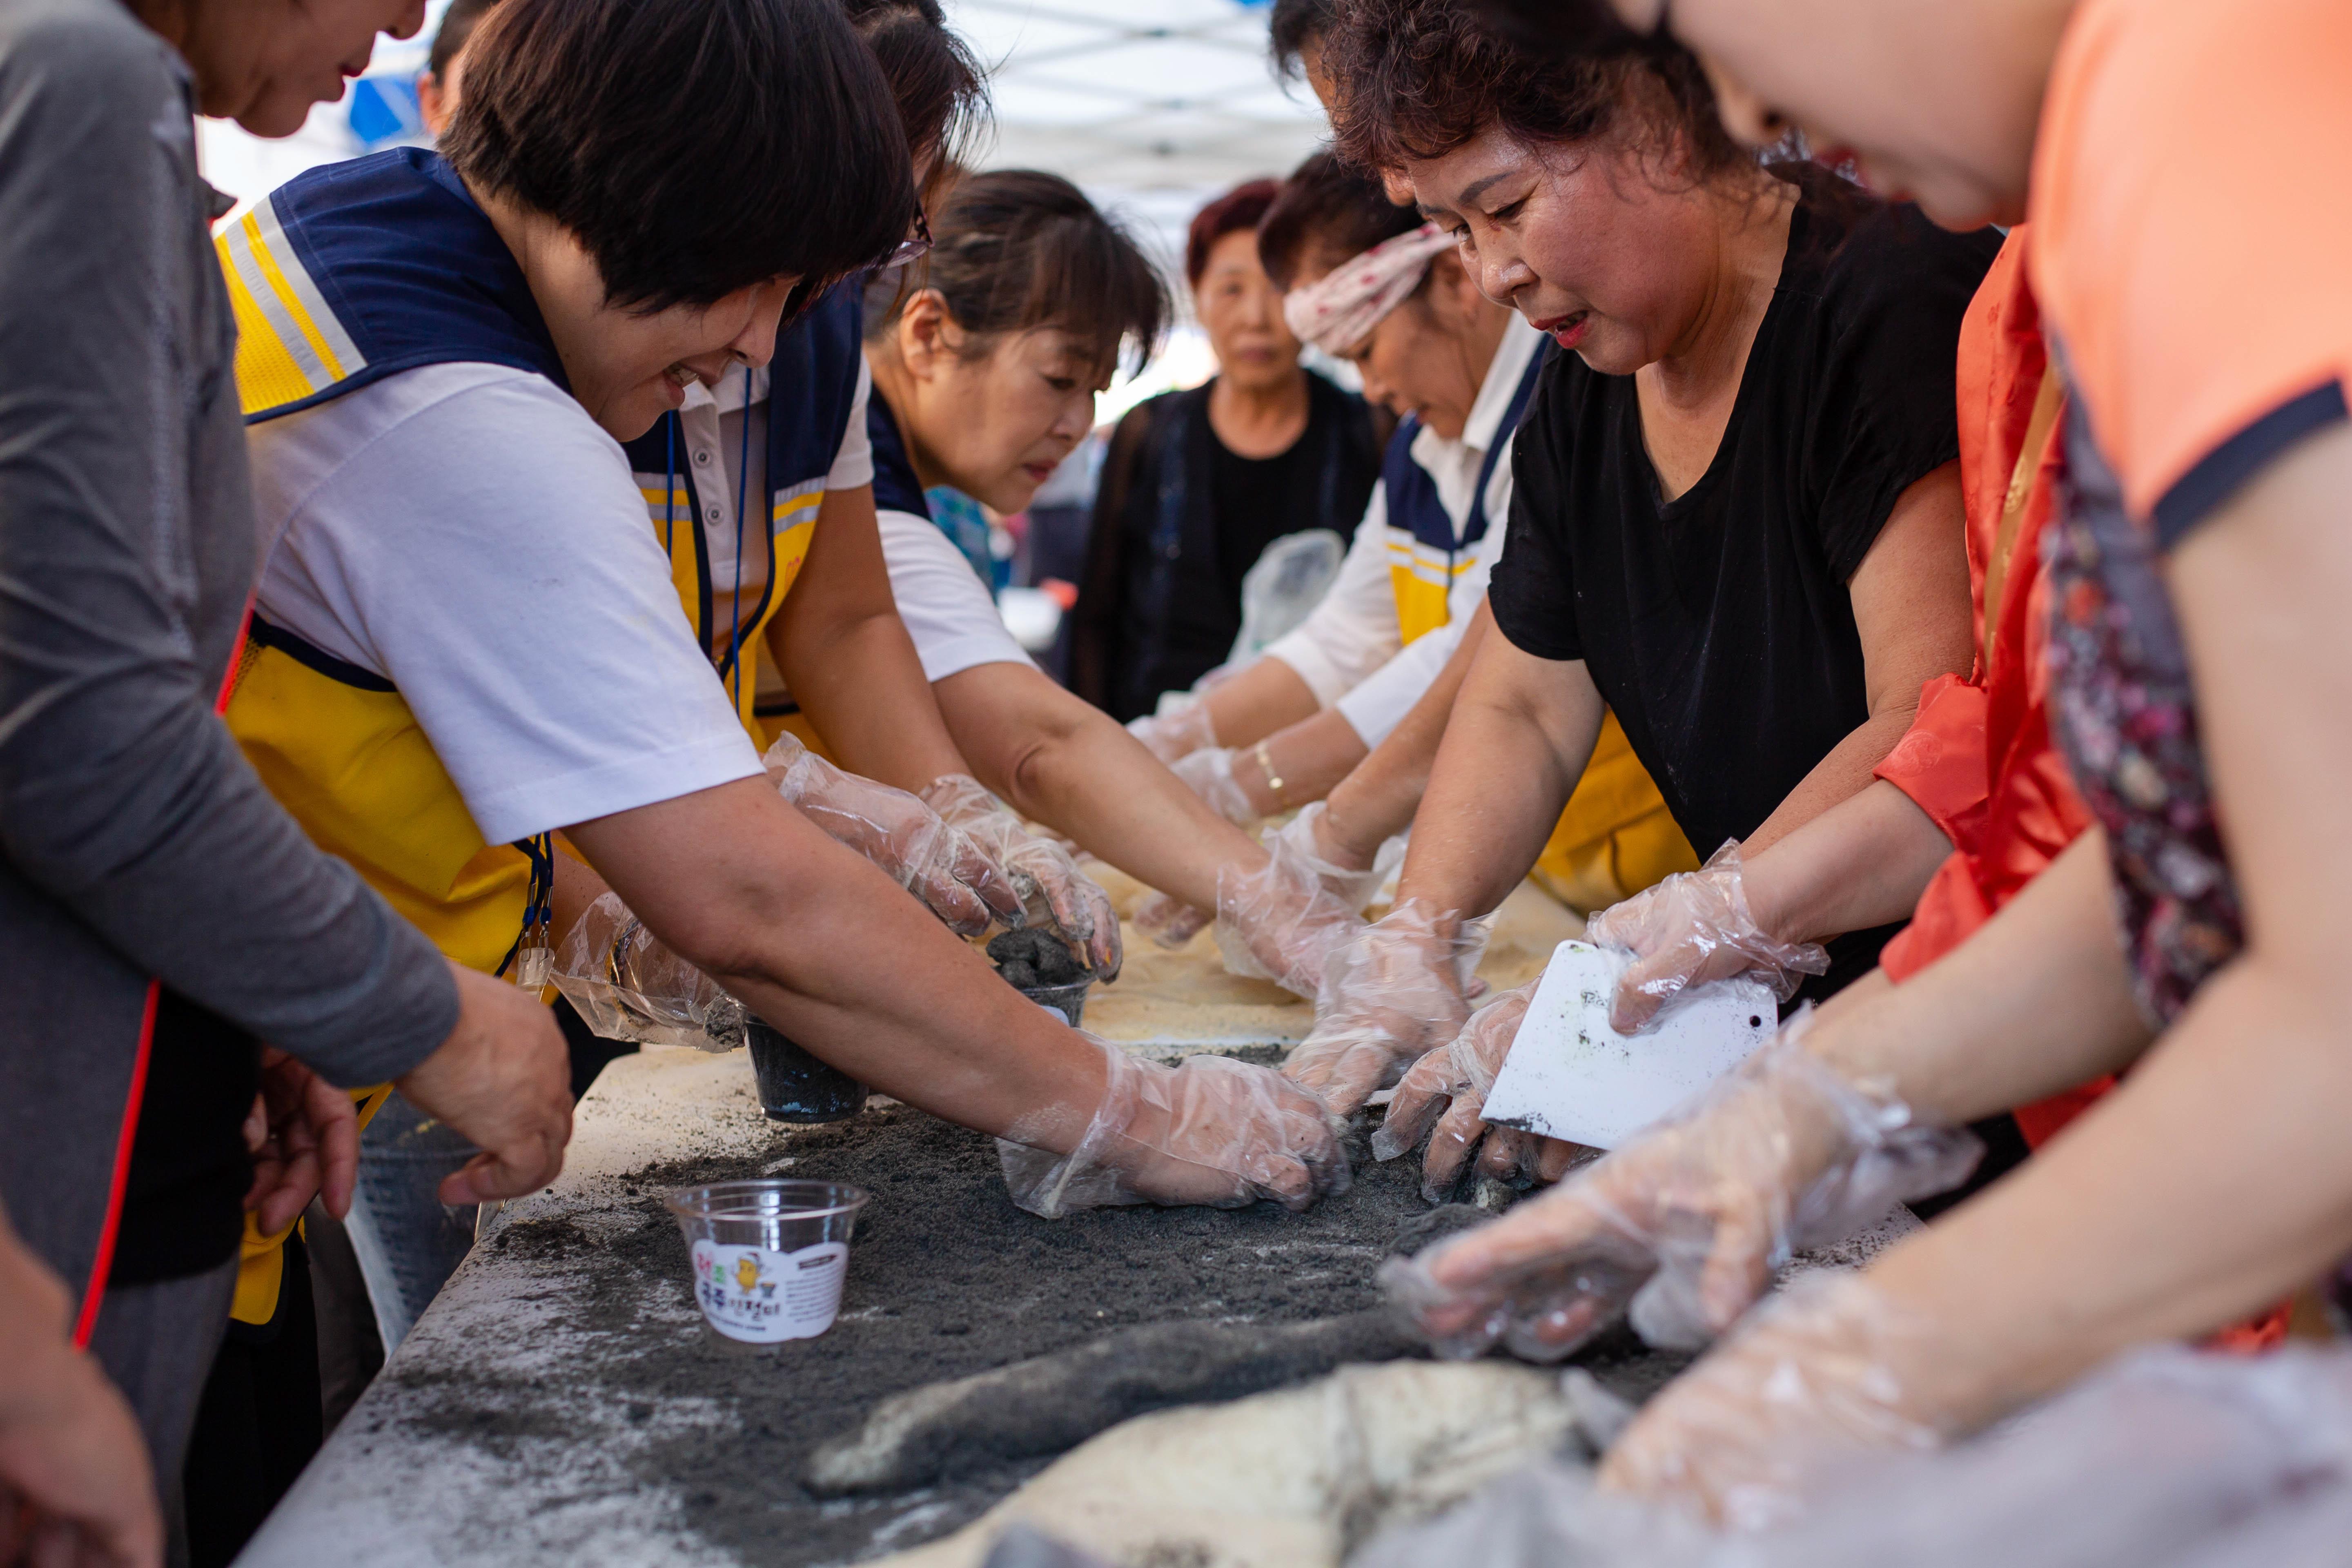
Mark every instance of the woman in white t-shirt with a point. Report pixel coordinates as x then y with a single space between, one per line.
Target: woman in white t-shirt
467 638
985 380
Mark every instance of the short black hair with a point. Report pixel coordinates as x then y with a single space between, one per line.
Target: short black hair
1295 27
941 91
694 147
1018 249
1328 207
457 26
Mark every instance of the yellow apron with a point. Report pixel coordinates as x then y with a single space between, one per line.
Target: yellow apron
1615 837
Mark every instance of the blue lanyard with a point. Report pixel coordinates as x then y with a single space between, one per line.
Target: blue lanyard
735 601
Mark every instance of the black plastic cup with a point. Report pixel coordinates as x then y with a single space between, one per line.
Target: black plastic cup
1069 1001
794 1085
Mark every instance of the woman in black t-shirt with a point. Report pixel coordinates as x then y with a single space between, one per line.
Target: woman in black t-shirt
1737 522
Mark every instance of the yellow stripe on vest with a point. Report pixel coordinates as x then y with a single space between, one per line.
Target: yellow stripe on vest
289 345
1423 578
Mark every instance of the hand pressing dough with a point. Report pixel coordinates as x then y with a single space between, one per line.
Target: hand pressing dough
1295 1479
1166 1002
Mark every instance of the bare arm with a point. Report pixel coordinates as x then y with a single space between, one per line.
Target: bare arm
2036 1001
2218 1176
1861 863
848 658
1528 720
1911 607
1059 759
1267 696
833 953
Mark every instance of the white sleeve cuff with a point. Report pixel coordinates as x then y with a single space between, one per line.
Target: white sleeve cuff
1380 702
1322 674
949 612
854 465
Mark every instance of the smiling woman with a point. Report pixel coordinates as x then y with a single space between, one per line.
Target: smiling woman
470 635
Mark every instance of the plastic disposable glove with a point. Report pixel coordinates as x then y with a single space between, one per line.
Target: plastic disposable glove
1209 773
1829 1370
1689 1220
1172 736
905 837
629 986
1304 839
1169 920
1207 1129
1044 875
1448 1087
1691 928
1277 923
1400 988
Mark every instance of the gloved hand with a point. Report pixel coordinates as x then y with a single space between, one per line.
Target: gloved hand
1688 1221
1400 988
1301 845
1306 838
1044 875
1175 735
629 986
1169 920
898 833
1831 1369
1277 923
1207 1129
1449 1086
1209 773
1691 928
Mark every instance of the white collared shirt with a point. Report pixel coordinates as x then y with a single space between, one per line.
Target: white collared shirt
1350 651
714 452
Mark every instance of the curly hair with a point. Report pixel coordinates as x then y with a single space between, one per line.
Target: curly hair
1417 79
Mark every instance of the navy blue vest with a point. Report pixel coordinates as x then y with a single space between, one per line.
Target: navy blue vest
1412 503
360 271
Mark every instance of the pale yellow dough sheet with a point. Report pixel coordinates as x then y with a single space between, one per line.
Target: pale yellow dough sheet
1185 1000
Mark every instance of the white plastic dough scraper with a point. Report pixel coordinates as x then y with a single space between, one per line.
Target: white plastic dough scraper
1570 1076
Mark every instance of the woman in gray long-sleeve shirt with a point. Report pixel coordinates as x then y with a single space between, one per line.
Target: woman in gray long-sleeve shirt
150 888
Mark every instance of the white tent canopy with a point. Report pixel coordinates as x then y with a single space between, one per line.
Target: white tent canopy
1137 94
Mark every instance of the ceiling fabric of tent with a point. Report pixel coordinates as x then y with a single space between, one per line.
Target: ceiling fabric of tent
1132 95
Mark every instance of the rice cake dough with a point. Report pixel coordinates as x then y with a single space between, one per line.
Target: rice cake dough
1295 1479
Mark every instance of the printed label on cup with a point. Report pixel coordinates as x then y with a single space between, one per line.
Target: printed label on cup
760 1297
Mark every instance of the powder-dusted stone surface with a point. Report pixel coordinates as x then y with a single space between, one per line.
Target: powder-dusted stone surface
562 1401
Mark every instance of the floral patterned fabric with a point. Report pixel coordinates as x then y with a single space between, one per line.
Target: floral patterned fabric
2127 716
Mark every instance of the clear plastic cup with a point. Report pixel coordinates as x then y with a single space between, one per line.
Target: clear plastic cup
769 1258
